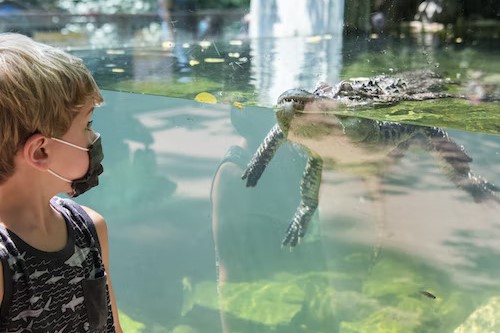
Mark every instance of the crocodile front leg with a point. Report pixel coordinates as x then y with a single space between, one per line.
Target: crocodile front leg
273 140
457 165
309 193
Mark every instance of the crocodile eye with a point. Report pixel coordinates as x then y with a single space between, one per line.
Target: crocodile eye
346 86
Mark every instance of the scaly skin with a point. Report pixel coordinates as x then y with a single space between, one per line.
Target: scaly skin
396 138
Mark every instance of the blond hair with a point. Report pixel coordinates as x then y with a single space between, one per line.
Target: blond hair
42 89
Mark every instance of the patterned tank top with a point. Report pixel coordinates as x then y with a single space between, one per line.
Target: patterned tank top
61 292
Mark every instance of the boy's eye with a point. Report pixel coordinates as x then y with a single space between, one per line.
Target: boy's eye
89 124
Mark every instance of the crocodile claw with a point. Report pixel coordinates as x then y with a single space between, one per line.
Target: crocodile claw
458 167
297 228
479 188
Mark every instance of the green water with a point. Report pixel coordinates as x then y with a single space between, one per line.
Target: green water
410 253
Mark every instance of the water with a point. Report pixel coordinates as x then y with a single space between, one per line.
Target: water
406 252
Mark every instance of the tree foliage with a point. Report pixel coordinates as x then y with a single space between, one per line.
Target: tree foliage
223 4
132 6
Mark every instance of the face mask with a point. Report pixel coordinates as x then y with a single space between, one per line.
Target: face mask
90 179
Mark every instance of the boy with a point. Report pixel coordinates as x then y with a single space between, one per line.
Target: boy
54 253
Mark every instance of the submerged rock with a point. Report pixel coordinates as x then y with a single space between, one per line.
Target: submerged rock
484 319
184 329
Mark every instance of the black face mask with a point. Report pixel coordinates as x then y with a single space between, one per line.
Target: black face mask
90 179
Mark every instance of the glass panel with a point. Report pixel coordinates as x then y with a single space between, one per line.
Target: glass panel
385 171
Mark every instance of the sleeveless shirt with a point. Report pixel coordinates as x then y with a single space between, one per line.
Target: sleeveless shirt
62 292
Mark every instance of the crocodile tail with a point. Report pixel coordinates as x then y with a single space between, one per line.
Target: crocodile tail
457 165
273 140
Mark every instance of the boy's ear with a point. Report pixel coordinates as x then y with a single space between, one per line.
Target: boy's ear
35 151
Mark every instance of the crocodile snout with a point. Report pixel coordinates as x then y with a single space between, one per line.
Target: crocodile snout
298 97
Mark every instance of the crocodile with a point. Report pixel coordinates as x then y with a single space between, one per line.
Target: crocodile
335 141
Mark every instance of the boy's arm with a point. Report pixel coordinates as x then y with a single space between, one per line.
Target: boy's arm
102 234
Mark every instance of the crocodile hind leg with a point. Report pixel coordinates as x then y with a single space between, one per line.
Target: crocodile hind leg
457 165
309 194
273 140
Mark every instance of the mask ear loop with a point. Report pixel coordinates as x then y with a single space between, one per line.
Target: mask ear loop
97 136
63 179
71 144
59 176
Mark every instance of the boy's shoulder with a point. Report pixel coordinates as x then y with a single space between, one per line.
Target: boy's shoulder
4 236
71 206
77 214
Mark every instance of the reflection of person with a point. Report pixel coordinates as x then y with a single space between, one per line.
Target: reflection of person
167 27
54 252
377 18
428 11
179 30
249 223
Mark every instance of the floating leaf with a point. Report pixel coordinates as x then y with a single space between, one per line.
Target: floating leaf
205 97
238 105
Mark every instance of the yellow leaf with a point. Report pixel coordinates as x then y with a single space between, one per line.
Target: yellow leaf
238 105
205 97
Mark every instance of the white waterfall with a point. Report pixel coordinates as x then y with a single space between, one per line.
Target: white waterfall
293 18
295 43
